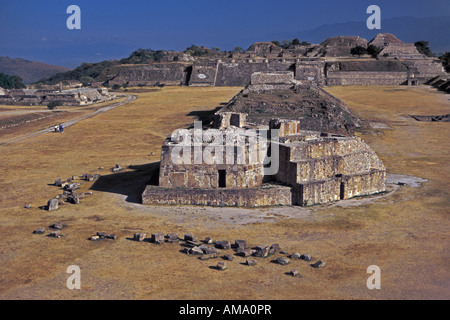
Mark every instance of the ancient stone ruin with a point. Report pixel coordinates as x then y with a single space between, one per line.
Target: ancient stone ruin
71 97
327 63
198 168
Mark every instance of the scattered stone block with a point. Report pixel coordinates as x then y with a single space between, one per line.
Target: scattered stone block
117 168
55 234
28 206
294 273
318 264
58 182
172 237
195 250
208 256
282 261
208 240
192 243
94 238
225 245
295 256
52 204
57 225
221 265
39 231
157 238
208 250
262 251
104 235
246 252
305 257
228 257
139 236
239 243
250 262
189 237
275 247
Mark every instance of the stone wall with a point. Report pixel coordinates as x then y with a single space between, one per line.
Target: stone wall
267 195
148 74
351 78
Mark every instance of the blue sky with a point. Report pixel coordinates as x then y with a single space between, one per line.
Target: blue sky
29 26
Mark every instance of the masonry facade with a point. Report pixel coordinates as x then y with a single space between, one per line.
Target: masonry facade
312 167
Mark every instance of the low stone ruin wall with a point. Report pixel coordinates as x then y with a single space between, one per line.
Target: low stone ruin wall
265 195
151 74
339 188
348 78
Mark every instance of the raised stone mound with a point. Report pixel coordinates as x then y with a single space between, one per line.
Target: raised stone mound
383 39
315 108
341 46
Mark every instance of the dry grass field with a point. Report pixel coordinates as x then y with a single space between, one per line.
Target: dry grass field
405 233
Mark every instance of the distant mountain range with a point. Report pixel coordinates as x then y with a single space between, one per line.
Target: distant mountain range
29 71
435 30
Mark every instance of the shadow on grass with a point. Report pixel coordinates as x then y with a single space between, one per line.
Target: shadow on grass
206 117
129 183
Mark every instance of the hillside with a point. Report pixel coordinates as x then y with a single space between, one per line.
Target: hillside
29 71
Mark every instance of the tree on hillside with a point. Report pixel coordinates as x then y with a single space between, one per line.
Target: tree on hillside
238 49
373 51
358 51
445 58
11 82
295 42
196 51
422 47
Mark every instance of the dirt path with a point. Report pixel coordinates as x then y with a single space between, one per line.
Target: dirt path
71 122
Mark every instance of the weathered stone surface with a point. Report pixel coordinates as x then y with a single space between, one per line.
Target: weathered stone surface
105 235
246 252
58 182
52 204
55 234
250 262
225 245
39 231
189 237
295 256
318 264
139 236
228 257
195 251
94 238
57 225
208 256
27 206
294 273
262 251
221 265
282 261
239 243
172 237
157 238
208 240
305 257
275 247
